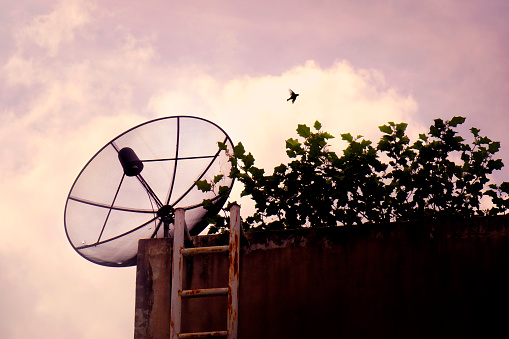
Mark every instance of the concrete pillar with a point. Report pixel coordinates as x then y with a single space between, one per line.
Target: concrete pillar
153 281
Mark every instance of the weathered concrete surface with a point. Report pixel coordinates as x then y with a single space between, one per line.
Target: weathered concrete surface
399 280
153 297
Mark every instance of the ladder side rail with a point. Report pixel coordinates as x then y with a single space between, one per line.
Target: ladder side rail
234 272
177 273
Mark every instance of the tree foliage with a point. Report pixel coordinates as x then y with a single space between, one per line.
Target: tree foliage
438 176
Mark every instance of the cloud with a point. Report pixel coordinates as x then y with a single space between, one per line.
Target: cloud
254 110
44 98
52 30
19 71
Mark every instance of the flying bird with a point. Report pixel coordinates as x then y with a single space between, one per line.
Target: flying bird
293 96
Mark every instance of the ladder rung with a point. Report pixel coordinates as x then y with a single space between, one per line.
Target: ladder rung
203 334
208 249
204 292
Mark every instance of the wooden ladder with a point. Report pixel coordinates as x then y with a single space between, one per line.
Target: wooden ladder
232 291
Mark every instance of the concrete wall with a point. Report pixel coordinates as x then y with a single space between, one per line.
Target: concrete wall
398 280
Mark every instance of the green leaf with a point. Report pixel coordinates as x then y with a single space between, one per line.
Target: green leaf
203 185
475 131
248 160
485 140
224 191
365 143
455 121
292 143
218 178
434 131
304 131
417 145
326 135
234 173
280 169
317 125
385 129
494 147
347 136
495 164
239 150
401 126
207 203
222 146
257 172
291 154
383 145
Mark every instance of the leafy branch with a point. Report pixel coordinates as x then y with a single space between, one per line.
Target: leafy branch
438 176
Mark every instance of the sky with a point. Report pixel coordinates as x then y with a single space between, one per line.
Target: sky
76 73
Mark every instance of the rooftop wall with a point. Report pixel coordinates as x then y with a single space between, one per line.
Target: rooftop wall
398 280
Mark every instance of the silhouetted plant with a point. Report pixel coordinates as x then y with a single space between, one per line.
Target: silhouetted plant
438 176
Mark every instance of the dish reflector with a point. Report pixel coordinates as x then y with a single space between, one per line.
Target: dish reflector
131 187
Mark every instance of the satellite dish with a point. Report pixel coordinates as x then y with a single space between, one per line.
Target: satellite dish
131 187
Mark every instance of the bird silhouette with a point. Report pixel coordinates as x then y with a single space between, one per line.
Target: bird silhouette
293 96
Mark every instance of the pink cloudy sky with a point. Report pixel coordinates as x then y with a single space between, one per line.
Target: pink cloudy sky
74 74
